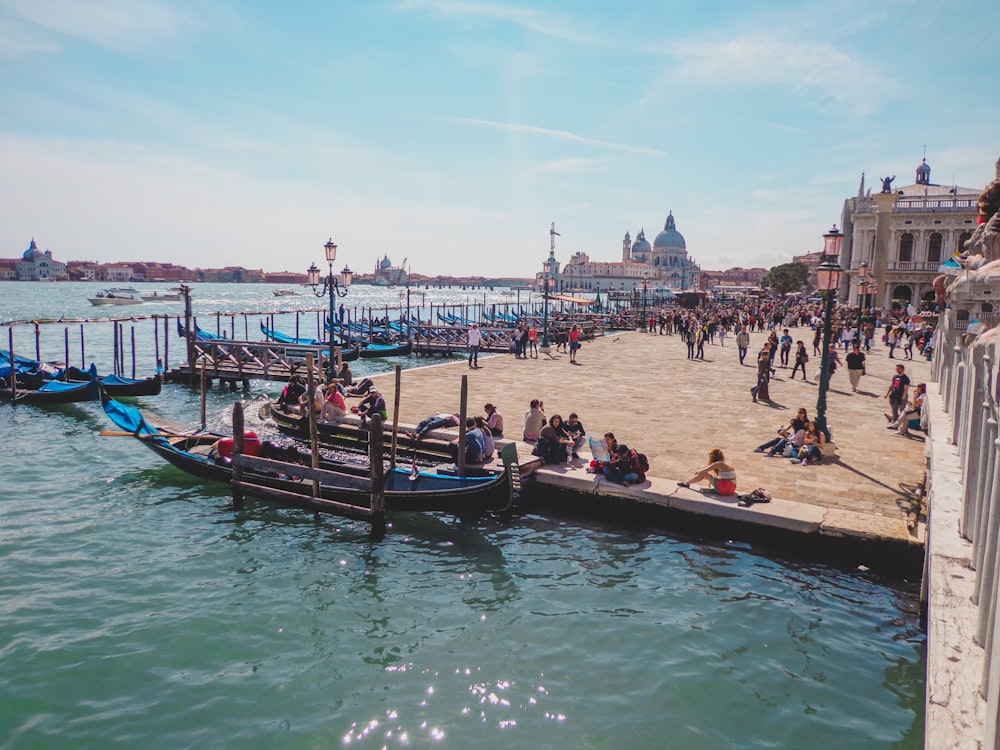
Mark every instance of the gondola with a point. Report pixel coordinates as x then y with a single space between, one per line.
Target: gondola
405 490
116 385
373 351
347 354
55 392
347 435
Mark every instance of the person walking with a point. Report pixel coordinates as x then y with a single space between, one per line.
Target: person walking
856 366
574 343
475 338
898 390
801 359
786 347
742 343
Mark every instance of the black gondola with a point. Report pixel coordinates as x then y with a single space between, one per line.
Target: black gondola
405 491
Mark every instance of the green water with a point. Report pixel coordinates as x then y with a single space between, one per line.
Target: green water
138 610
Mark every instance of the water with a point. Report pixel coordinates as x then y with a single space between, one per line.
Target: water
138 610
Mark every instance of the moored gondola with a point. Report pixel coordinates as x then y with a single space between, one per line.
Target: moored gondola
203 455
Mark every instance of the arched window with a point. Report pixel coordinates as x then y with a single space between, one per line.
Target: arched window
987 307
906 248
934 248
902 293
962 239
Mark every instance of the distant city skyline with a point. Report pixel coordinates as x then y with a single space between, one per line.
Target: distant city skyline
450 134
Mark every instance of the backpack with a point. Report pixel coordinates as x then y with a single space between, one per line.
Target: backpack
643 461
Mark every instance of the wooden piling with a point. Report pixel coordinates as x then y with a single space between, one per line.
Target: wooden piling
395 418
203 388
462 411
13 369
313 437
238 498
378 476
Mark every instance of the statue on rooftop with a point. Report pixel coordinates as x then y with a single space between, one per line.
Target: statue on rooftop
887 184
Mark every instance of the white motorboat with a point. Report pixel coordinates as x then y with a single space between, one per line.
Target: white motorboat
162 297
113 298
284 293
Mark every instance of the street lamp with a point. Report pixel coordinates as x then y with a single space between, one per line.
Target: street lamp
645 284
828 275
333 285
862 288
545 311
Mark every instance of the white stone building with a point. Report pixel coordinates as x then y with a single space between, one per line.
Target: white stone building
665 264
903 235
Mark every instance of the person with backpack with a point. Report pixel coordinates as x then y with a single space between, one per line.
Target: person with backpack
627 466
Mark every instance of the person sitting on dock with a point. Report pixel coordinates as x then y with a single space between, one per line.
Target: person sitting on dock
719 472
489 447
434 422
574 430
494 420
345 375
318 396
334 407
626 467
294 389
534 420
372 405
553 442
475 443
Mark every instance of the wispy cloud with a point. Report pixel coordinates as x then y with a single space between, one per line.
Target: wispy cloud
529 19
561 135
116 24
825 76
567 166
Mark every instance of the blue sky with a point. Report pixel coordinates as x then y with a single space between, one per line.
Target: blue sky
451 133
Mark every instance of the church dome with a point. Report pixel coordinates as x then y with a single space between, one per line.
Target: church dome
385 263
641 244
29 254
670 238
924 173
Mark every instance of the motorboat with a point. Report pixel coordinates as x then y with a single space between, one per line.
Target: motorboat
111 297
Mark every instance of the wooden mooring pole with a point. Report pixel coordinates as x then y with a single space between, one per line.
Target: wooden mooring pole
378 476
238 498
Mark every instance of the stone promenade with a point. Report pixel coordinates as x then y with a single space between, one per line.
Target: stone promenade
643 388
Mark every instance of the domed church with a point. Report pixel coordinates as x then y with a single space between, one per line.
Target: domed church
668 256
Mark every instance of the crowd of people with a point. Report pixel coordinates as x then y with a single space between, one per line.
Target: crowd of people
794 338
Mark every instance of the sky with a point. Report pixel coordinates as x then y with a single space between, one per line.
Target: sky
449 134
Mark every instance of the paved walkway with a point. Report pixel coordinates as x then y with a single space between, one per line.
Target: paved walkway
643 388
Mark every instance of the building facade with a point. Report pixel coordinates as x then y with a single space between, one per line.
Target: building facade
665 264
903 235
35 265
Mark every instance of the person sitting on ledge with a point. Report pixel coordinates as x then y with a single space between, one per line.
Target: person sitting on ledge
361 389
552 442
719 472
626 467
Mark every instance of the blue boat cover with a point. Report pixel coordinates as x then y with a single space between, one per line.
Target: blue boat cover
128 418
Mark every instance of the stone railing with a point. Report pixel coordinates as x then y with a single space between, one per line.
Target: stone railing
963 541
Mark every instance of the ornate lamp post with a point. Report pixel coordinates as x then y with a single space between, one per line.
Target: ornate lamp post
828 275
545 311
862 288
333 284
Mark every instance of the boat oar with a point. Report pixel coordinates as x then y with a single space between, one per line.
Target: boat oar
143 436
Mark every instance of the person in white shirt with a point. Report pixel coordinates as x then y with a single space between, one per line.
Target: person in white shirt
474 340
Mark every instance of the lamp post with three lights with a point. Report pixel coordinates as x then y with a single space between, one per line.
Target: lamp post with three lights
333 285
828 275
